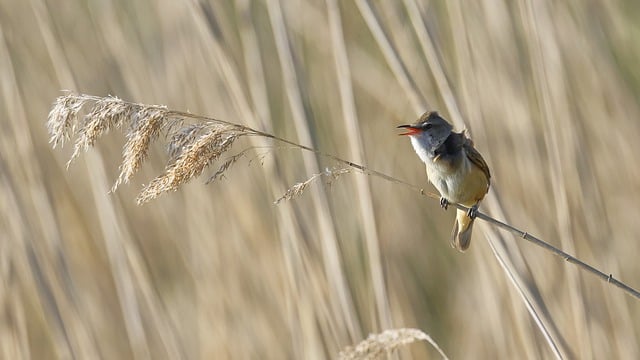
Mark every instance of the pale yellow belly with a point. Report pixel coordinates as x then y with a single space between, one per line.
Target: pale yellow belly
466 184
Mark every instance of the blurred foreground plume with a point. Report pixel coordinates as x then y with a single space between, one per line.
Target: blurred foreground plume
378 345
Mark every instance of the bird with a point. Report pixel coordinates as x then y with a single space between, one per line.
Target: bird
454 167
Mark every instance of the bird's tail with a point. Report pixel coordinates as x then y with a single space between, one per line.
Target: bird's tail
461 234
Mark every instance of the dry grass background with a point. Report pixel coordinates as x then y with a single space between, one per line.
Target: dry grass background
549 91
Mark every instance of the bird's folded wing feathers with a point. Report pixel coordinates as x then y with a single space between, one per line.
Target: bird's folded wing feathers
476 158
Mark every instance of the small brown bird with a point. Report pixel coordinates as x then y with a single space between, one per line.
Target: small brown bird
454 167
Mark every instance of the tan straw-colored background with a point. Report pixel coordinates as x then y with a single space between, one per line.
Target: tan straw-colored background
548 90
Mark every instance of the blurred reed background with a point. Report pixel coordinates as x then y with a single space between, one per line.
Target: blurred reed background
547 89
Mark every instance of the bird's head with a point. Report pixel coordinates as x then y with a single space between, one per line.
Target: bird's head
429 132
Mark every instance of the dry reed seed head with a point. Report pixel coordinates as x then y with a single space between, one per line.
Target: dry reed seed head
196 152
377 345
182 138
63 117
107 113
146 125
329 174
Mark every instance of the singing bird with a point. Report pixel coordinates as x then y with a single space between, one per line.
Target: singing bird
454 167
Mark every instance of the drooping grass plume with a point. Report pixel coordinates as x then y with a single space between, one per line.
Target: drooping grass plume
384 343
202 147
191 148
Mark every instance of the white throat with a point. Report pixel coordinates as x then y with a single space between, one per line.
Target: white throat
421 150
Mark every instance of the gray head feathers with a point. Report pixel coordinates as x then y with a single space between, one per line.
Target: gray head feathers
434 131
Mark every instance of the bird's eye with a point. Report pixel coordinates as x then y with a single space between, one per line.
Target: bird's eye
427 126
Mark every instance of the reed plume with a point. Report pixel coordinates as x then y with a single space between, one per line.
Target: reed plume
377 345
191 148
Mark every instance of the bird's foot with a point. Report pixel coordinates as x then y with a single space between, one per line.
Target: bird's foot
473 211
444 203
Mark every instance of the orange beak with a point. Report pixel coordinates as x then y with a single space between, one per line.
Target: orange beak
411 130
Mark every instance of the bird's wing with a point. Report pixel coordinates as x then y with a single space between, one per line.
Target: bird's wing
476 158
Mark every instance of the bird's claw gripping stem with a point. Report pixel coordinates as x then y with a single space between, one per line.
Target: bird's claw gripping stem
444 203
473 211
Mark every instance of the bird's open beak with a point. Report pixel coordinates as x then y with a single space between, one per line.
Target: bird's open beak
411 130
